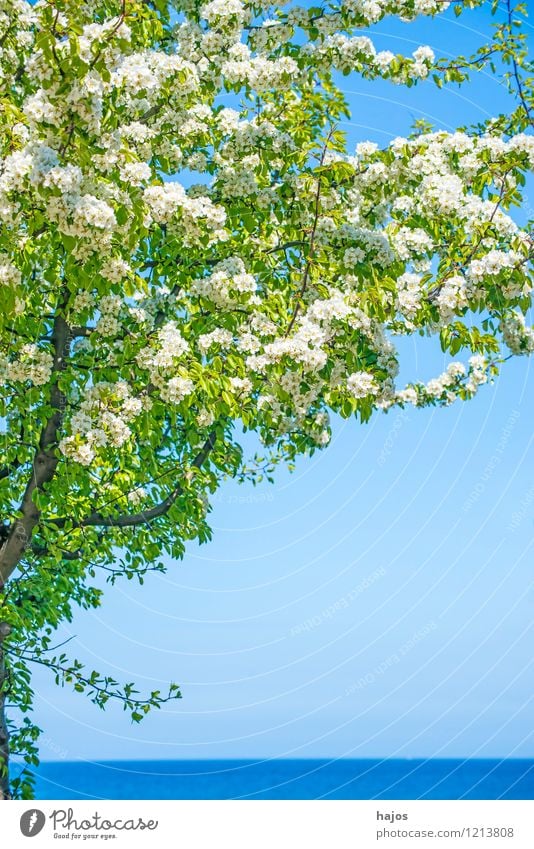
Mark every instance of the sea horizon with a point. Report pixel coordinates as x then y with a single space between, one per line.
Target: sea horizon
287 778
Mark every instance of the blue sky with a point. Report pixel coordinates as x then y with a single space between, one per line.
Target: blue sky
377 602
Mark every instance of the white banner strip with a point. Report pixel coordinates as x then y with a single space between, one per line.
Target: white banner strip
269 824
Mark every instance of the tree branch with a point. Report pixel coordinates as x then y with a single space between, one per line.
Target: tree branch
311 250
515 67
100 689
129 520
4 731
45 459
6 470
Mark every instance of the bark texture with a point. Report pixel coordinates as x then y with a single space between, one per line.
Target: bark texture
44 463
4 734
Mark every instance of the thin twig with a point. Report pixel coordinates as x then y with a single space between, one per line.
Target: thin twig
307 267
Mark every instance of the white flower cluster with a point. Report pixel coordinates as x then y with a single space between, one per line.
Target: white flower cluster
102 420
205 418
109 323
165 201
492 264
83 216
95 36
10 275
360 384
452 296
15 168
162 361
353 256
358 53
83 300
239 181
442 192
136 173
17 21
517 336
360 243
148 71
170 346
259 73
115 269
246 136
219 11
228 120
326 310
176 389
478 373
409 294
447 387
194 215
33 365
371 11
228 282
137 496
437 386
222 338
241 385
303 347
410 242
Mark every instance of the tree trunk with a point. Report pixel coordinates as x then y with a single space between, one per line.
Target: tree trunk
4 734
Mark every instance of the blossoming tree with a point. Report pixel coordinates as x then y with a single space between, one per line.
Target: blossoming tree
174 271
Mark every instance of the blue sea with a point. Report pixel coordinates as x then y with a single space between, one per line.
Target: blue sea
288 779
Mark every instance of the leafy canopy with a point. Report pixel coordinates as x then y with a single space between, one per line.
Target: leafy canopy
175 271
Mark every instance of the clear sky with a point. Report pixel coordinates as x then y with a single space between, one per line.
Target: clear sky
376 602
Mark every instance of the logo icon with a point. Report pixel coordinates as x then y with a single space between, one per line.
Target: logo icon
32 822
